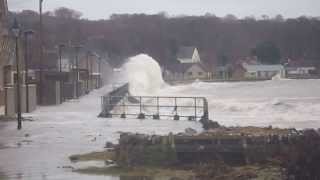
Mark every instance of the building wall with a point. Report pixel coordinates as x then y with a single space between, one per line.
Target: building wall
196 72
10 99
261 74
238 72
4 45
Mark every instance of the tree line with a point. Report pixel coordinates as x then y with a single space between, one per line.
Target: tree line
219 40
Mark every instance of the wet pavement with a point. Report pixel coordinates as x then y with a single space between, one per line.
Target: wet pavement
41 149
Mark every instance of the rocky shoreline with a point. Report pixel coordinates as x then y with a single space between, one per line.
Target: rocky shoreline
217 153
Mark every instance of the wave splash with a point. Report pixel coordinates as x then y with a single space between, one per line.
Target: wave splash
144 75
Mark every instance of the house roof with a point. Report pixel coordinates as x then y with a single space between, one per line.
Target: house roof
186 52
305 63
262 67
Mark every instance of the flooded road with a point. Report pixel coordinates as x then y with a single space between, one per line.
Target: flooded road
41 149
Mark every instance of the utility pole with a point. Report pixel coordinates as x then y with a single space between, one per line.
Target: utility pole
41 52
27 34
60 47
16 33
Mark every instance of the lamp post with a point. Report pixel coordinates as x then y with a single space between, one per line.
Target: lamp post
89 54
16 32
41 51
77 49
27 34
60 47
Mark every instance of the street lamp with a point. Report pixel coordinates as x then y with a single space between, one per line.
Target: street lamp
77 49
60 47
27 34
41 50
16 33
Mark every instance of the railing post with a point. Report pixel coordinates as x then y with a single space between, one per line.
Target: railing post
158 108
205 116
140 104
176 116
157 115
123 115
175 106
195 108
141 115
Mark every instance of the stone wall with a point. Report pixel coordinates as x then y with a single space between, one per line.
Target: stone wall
142 150
138 149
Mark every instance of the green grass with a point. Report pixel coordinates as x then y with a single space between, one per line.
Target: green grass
137 172
93 156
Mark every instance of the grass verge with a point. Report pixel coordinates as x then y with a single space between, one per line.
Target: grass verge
137 172
93 156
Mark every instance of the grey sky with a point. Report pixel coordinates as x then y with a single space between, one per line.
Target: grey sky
100 9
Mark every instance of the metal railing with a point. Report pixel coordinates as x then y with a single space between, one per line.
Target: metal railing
190 108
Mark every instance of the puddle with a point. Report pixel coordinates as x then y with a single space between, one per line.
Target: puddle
86 164
148 178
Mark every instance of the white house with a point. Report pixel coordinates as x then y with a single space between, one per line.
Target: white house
262 71
300 71
187 67
186 71
188 55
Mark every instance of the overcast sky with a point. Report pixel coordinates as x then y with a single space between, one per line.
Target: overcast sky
101 9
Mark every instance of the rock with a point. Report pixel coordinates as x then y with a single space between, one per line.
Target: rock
190 132
108 162
208 124
67 167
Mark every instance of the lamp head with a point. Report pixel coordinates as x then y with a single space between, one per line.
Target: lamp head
29 33
15 28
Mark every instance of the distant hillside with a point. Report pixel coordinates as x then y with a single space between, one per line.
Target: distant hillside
217 38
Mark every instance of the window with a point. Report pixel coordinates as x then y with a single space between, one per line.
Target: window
200 73
190 73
